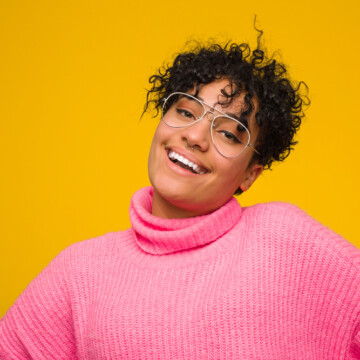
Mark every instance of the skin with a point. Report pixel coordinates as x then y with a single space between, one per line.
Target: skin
178 194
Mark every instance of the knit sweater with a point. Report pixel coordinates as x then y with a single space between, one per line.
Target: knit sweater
262 282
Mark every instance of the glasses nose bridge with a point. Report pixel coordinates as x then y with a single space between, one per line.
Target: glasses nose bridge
211 112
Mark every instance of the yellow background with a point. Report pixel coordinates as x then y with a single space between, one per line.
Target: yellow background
72 87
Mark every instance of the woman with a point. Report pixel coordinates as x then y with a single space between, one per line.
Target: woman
197 276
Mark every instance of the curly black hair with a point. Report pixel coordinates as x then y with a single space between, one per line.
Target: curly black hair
280 101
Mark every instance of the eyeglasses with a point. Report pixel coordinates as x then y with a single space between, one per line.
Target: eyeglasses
229 136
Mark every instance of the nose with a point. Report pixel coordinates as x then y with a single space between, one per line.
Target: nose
198 134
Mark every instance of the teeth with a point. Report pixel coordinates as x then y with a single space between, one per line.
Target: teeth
173 155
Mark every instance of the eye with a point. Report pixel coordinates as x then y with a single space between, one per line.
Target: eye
230 137
185 113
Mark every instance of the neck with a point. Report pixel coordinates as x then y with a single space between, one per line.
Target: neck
159 236
164 209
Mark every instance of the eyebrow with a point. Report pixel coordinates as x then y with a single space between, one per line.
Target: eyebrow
243 121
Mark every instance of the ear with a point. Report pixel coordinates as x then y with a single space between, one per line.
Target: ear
253 173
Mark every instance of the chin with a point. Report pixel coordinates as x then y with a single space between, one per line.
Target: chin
172 191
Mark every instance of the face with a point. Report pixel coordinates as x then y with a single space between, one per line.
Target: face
179 192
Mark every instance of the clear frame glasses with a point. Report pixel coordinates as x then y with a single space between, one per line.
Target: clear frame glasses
229 136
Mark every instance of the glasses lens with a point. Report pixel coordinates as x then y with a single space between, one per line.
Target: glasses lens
180 110
229 136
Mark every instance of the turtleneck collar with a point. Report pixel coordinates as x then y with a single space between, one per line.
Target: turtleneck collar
159 236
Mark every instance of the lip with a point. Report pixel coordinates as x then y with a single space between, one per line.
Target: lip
189 156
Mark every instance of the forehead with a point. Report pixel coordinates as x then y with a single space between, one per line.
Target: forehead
223 95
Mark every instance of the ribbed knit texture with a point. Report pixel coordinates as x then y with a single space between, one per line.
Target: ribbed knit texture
263 282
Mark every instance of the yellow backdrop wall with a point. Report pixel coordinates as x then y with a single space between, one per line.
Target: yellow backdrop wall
72 80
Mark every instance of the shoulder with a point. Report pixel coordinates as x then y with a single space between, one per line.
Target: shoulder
278 217
290 226
276 211
78 264
100 248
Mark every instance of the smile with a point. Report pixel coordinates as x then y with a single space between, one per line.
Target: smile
185 163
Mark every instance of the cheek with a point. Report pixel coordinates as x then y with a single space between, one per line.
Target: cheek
163 134
152 159
159 141
230 180
231 171
229 177
156 141
152 155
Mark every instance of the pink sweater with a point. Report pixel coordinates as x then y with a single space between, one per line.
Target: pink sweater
263 282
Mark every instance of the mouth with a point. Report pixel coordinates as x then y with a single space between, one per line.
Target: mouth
183 162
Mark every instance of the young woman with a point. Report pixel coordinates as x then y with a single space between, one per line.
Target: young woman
197 276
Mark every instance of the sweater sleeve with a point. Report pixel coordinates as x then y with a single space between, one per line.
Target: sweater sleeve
39 324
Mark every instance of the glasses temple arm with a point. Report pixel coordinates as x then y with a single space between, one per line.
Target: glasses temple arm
251 145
